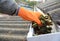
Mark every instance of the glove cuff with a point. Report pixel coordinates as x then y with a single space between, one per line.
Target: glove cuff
16 11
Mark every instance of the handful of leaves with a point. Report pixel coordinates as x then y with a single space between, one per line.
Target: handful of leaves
46 21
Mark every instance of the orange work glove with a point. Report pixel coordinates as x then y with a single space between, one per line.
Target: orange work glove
29 15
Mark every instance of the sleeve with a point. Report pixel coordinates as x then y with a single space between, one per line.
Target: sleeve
8 7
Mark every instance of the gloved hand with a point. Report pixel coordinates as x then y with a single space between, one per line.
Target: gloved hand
29 15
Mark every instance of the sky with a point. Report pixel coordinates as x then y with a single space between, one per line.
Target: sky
37 0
